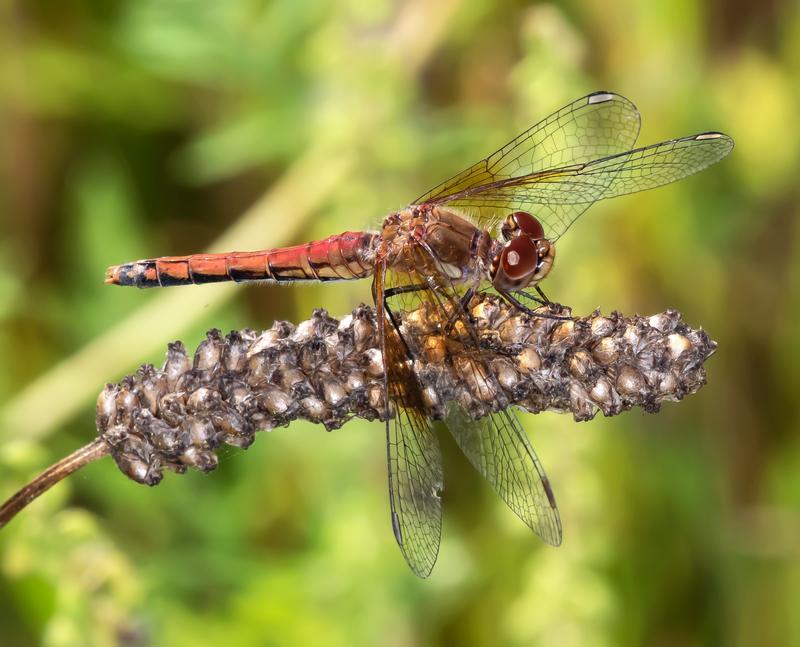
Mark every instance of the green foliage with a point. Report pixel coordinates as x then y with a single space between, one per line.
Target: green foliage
151 127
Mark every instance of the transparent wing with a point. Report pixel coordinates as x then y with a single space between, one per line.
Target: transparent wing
580 154
415 486
558 197
412 449
498 448
592 127
495 443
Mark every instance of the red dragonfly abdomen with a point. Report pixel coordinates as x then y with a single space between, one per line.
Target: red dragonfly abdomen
343 257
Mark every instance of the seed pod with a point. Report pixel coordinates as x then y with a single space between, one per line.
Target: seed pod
328 371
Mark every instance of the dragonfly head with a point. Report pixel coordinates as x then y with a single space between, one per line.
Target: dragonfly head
526 257
521 223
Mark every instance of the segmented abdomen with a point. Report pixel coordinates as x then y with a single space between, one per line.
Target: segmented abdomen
342 257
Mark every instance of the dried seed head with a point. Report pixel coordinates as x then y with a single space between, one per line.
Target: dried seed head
329 371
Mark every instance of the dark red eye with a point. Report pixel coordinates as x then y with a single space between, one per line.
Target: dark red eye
519 257
528 225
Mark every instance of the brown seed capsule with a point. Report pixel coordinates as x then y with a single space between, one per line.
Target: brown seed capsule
430 398
529 360
562 332
333 392
200 430
374 362
363 333
514 329
267 339
486 313
234 353
580 404
434 349
417 318
200 399
580 363
313 408
668 382
274 400
630 381
507 375
602 393
304 332
176 364
107 406
677 344
477 379
203 461
661 321
605 350
376 399
127 403
355 380
602 326
153 387
632 337
208 353
289 378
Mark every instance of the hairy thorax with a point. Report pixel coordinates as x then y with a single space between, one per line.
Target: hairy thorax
426 239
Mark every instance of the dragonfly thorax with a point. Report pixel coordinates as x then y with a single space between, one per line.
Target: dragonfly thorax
424 240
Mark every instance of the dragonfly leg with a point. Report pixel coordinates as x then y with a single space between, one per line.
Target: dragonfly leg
404 289
547 301
463 308
542 294
390 292
542 299
532 297
534 313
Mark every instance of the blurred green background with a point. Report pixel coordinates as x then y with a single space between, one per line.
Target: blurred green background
150 127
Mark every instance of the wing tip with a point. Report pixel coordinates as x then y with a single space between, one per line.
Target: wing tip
601 96
711 134
714 136
421 568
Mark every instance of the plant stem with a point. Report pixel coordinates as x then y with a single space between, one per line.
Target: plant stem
52 475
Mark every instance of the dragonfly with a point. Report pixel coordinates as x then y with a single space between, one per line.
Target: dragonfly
491 227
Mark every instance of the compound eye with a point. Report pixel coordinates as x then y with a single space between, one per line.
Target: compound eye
519 257
528 225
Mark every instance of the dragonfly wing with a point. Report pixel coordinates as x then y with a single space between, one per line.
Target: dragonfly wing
558 197
592 127
415 488
499 449
488 433
412 449
648 167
